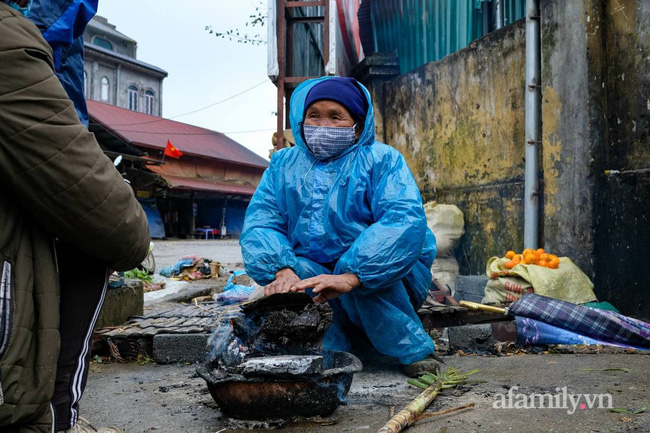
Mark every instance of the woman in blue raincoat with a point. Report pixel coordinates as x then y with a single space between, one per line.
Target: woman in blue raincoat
341 213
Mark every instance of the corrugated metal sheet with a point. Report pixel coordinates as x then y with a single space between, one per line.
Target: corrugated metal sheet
193 183
305 41
140 129
422 31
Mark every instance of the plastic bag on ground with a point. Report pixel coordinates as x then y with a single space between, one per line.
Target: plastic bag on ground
234 293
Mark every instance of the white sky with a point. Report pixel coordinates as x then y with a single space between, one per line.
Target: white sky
204 69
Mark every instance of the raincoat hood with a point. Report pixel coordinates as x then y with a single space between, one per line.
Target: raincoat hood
62 24
357 213
298 109
62 21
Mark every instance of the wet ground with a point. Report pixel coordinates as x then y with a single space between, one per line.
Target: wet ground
582 388
171 398
225 251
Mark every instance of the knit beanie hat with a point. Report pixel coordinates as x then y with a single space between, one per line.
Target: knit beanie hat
343 90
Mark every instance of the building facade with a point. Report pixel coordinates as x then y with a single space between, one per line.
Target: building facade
115 76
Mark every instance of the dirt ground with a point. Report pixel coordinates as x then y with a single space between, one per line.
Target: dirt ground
172 398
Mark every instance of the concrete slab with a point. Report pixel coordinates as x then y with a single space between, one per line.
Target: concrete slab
122 303
471 339
470 288
171 348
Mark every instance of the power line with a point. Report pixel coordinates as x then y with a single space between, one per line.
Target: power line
254 130
190 112
196 133
220 102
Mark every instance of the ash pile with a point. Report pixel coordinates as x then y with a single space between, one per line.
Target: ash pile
277 335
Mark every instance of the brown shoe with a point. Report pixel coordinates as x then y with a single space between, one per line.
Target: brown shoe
430 364
83 426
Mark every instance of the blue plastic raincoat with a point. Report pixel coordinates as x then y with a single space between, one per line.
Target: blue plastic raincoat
359 213
62 23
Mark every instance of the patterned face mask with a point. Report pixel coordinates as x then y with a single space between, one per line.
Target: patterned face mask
327 142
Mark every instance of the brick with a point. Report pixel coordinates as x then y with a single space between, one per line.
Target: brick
171 348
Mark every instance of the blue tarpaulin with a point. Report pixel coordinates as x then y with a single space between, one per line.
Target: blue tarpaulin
156 225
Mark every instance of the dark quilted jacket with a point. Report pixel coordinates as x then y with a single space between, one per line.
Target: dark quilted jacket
54 182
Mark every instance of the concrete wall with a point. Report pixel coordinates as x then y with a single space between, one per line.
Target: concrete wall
596 117
121 76
572 127
460 124
623 201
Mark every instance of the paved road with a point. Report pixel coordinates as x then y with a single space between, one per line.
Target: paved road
226 251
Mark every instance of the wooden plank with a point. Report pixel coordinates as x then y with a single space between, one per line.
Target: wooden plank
432 320
300 4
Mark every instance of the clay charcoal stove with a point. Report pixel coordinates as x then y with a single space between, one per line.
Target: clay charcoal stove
271 365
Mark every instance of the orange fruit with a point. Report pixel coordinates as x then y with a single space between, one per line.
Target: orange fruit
510 254
554 264
510 264
516 259
530 258
521 257
540 251
544 257
527 251
542 263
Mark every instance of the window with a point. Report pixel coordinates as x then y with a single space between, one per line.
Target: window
133 98
105 88
86 84
101 42
148 102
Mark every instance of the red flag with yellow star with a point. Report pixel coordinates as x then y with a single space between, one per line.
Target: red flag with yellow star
171 151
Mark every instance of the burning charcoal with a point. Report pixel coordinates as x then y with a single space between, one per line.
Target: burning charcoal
305 326
279 301
233 355
277 322
283 365
282 324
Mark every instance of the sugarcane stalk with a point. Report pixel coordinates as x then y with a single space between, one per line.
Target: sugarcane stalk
414 409
444 411
477 306
409 414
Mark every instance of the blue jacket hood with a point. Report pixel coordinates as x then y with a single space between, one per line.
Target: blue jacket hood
297 109
62 21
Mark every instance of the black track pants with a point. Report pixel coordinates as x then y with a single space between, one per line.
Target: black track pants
83 282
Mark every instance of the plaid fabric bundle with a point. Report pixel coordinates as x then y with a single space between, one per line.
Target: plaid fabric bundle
606 326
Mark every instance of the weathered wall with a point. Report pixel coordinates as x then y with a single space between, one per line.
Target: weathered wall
623 220
596 117
460 124
572 127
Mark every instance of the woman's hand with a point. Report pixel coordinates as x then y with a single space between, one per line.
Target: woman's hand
328 286
284 280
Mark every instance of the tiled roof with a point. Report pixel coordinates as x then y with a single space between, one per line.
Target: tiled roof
143 130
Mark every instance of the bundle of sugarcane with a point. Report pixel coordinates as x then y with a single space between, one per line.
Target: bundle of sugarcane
432 385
